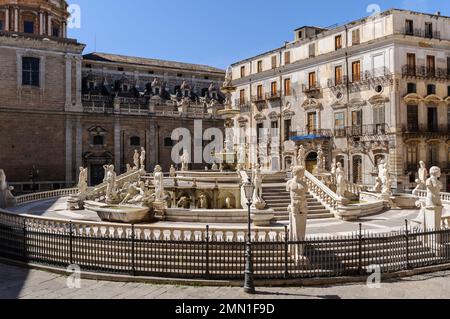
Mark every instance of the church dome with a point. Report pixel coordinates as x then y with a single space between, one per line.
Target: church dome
34 17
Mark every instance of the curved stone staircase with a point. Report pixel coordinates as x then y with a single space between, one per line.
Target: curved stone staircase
278 199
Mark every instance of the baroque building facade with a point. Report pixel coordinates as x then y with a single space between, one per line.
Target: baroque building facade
377 88
61 110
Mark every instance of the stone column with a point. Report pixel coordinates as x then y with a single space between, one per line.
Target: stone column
16 19
79 105
69 177
41 23
68 59
49 25
117 145
79 144
7 19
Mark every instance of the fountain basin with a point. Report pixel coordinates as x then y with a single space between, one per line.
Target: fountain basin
119 213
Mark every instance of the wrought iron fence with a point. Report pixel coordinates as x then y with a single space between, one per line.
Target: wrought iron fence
136 251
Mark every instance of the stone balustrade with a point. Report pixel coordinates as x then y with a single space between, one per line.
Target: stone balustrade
330 199
45 195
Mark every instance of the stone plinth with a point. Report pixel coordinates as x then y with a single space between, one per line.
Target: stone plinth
262 218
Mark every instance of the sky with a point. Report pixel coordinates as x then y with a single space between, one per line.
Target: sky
215 32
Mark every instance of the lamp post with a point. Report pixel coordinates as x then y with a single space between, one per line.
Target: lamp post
249 286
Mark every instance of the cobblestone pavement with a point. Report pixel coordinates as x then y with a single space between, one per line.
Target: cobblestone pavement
32 284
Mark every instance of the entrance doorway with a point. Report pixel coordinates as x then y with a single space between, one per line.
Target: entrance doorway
311 162
97 174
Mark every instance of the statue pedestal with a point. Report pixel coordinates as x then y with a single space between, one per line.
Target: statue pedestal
262 218
297 233
159 209
432 221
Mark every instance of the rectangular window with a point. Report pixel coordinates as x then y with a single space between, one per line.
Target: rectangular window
428 29
431 65
259 66
312 50
287 87
274 88
312 80
413 118
312 123
55 32
287 57
448 118
356 71
242 71
379 116
242 97
356 37
28 26
412 88
433 153
259 92
338 42
287 129
409 27
338 75
30 71
412 155
432 119
448 66
339 120
2 26
274 62
357 118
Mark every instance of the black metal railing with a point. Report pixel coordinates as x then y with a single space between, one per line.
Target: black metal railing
316 132
368 130
415 128
422 33
131 251
425 72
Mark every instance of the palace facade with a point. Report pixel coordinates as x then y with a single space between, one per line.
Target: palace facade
60 109
377 88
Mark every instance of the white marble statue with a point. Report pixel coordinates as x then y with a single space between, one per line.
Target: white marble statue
229 140
172 171
340 181
301 158
203 202
258 202
298 210
7 199
422 175
384 176
136 159
242 155
185 159
434 187
320 159
111 190
82 182
214 167
142 158
158 179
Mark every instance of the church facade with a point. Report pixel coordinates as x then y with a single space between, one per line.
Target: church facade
60 109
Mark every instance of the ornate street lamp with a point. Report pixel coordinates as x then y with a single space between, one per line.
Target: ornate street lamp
249 286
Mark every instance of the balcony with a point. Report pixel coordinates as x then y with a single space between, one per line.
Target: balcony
422 72
273 96
426 130
422 33
368 130
336 82
311 89
311 134
243 105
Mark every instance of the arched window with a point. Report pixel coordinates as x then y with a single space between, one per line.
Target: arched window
135 141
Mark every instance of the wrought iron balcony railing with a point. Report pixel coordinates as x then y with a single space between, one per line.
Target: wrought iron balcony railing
311 133
414 128
423 72
311 88
275 95
422 33
368 130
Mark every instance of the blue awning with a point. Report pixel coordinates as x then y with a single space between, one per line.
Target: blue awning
307 137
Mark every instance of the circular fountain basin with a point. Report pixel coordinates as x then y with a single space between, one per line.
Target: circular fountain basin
119 213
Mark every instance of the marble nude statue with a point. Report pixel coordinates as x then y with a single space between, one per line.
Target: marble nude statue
301 158
142 158
320 161
258 202
298 210
172 171
6 197
158 178
82 182
111 192
422 175
340 181
136 159
185 159
434 187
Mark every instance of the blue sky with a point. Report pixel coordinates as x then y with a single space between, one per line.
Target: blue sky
214 32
